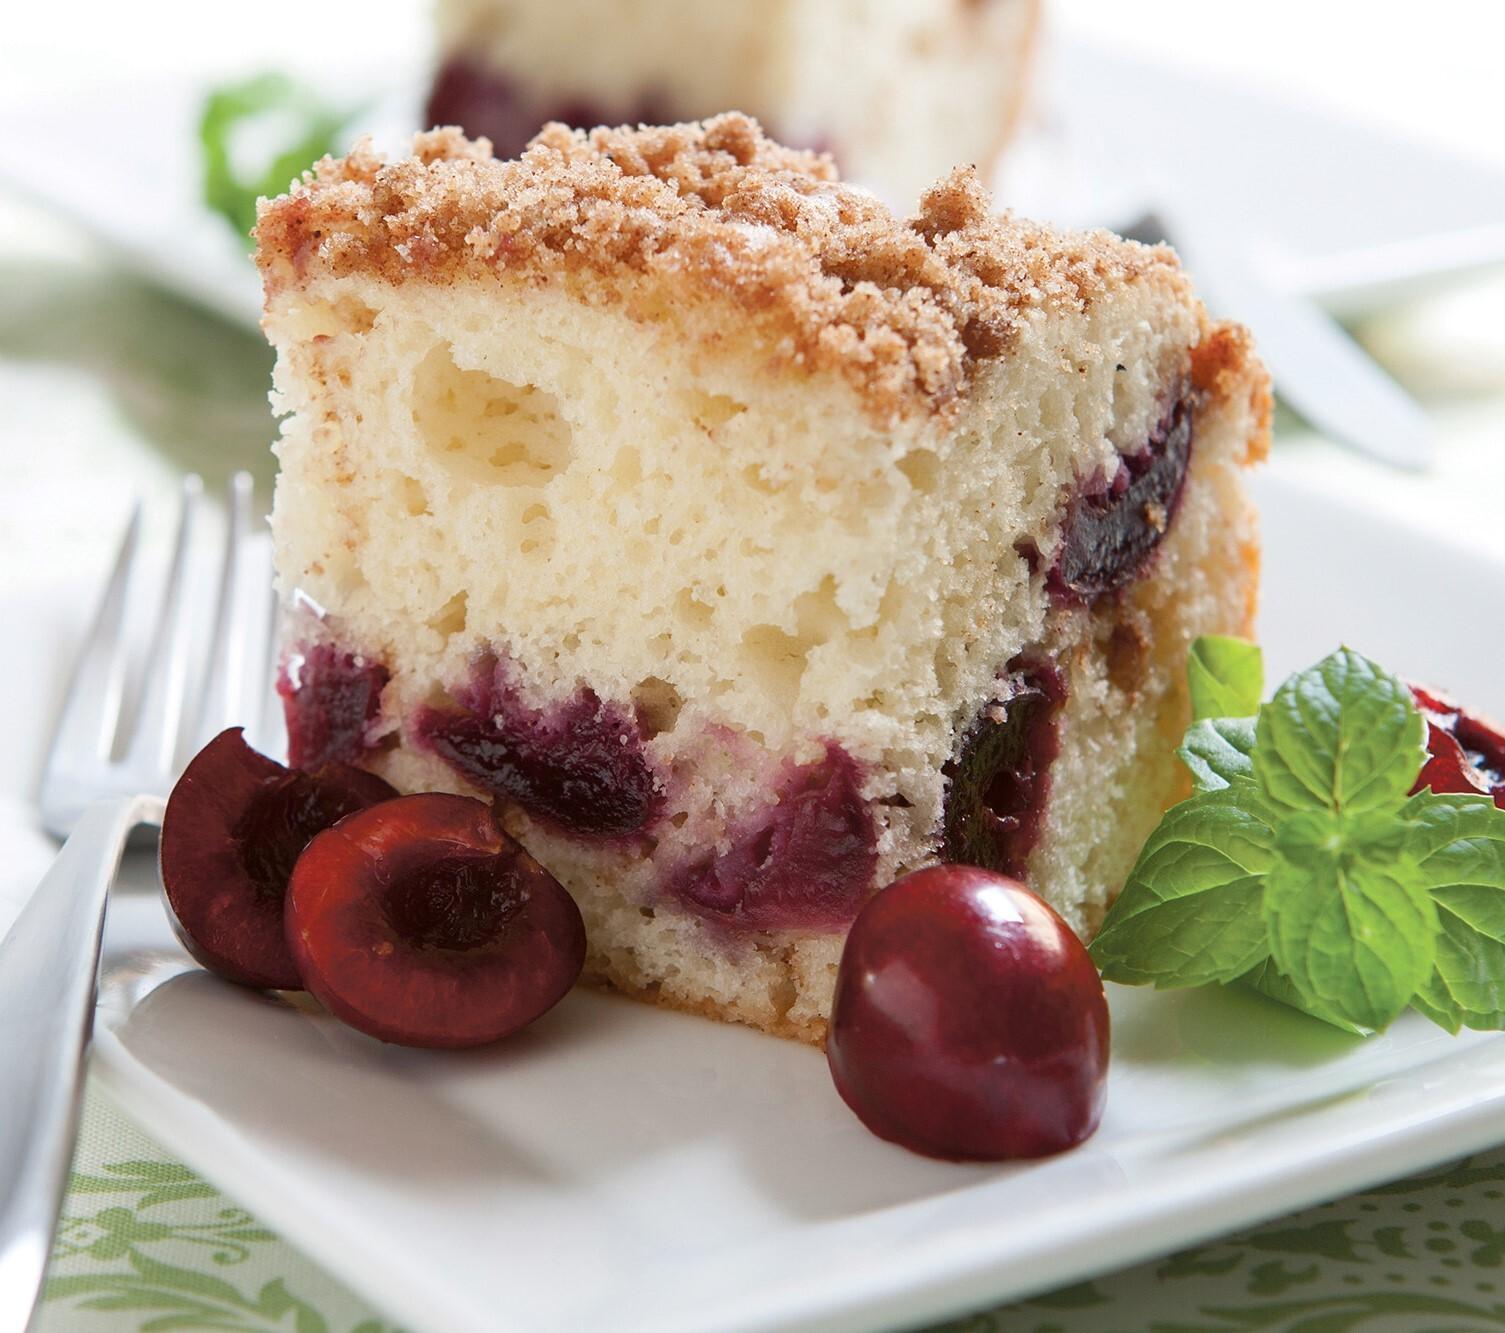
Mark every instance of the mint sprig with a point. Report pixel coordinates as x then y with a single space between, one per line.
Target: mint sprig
1302 867
256 136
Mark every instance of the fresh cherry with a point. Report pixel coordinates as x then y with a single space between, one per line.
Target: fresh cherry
1114 524
578 764
420 921
330 699
234 826
804 863
1466 753
998 782
969 1022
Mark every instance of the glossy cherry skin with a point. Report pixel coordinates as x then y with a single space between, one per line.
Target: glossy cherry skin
969 1022
234 826
420 921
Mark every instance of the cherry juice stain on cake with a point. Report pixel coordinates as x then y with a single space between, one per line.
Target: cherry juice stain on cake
483 102
1466 754
578 765
1114 524
998 782
331 700
806 862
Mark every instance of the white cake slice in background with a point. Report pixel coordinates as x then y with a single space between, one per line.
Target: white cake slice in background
749 544
900 91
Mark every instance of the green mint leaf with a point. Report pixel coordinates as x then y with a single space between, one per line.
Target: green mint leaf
1351 923
1226 676
1190 911
1343 735
256 136
1218 751
1458 843
1271 982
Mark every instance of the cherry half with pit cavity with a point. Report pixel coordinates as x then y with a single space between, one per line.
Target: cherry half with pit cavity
419 921
969 1022
234 826
1465 752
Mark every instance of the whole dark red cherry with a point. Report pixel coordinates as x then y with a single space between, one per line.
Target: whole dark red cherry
969 1022
420 921
1465 752
234 826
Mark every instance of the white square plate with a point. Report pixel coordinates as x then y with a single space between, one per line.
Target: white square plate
620 1167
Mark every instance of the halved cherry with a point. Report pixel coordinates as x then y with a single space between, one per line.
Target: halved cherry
1465 751
420 921
234 826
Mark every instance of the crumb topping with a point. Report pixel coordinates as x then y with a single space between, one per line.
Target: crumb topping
824 273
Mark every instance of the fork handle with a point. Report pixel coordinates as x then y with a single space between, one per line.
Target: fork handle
49 972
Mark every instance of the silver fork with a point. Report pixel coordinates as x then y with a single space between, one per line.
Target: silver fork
104 776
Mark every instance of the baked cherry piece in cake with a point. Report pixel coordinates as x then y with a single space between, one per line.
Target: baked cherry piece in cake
898 93
747 544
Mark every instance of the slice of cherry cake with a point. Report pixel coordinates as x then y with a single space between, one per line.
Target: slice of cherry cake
897 92
748 544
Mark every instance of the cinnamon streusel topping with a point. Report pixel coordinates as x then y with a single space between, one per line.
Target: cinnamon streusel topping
821 272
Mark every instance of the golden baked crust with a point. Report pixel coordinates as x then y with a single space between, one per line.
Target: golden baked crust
822 273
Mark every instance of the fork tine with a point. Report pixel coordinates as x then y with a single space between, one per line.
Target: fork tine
265 702
91 708
222 700
159 710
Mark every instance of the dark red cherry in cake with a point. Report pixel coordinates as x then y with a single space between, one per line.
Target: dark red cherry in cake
1465 752
420 921
805 862
234 826
1114 524
330 699
969 1022
998 781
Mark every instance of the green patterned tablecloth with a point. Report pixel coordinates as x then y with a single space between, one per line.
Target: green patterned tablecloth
148 1246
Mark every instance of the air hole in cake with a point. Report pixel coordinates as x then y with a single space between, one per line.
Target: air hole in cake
657 705
1114 524
923 469
414 498
805 862
327 319
759 480
626 467
576 764
711 410
450 618
691 611
486 429
775 660
998 782
332 701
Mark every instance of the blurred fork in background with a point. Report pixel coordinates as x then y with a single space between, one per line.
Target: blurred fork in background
1318 370
208 666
